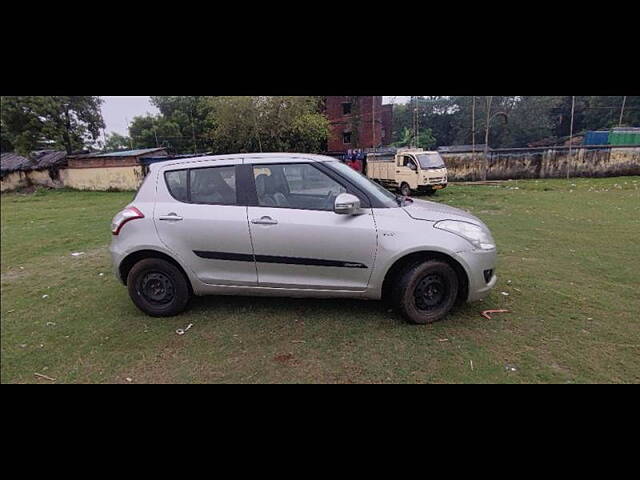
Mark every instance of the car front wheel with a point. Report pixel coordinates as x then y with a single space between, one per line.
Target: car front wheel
158 287
426 292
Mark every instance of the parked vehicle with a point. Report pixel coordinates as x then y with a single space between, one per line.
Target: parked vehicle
294 225
408 170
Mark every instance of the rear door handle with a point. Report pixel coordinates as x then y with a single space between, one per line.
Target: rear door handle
172 217
264 221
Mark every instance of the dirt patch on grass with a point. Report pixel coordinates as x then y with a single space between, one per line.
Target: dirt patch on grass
284 358
11 276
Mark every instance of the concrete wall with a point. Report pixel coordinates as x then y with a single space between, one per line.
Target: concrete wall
544 163
13 181
111 178
17 180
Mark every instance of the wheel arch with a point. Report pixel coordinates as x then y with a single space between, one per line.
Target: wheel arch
130 260
421 256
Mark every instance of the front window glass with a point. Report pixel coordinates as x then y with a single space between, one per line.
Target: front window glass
299 186
409 162
364 183
430 160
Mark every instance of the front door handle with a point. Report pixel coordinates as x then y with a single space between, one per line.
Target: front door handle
264 221
172 217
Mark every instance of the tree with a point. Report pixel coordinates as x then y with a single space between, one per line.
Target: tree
116 142
437 113
152 131
68 122
603 112
5 140
188 116
531 120
259 123
425 140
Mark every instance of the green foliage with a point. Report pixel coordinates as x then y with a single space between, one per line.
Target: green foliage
434 113
6 145
516 121
426 140
233 124
151 131
266 124
67 122
115 142
187 123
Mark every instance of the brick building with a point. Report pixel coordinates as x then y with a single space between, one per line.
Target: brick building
358 122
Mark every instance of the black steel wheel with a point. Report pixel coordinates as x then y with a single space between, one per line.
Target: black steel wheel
158 287
426 291
430 292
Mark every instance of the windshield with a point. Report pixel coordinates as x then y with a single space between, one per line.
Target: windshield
430 160
372 188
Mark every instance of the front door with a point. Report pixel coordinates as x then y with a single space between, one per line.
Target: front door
199 218
298 241
407 171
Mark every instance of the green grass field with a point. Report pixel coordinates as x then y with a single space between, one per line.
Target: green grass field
568 259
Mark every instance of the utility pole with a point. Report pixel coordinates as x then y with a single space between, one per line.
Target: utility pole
624 100
473 129
418 122
193 133
129 130
416 128
486 138
573 106
373 122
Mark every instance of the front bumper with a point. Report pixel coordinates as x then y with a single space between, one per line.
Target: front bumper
476 263
435 186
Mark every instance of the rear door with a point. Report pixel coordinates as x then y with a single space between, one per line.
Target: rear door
298 241
199 216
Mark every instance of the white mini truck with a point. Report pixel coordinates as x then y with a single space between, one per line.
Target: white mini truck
408 171
294 225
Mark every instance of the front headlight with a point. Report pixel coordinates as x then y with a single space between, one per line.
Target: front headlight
476 235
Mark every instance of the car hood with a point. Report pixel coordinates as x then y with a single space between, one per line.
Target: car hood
434 212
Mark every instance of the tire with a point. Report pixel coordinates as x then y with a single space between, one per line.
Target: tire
425 292
158 287
405 189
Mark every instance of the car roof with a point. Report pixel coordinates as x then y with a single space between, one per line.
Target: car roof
262 157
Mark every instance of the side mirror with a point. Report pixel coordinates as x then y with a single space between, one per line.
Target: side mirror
347 204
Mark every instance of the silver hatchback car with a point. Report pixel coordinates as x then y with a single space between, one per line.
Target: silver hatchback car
294 225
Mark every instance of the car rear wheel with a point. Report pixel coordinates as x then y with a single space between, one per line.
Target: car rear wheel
158 287
405 189
426 291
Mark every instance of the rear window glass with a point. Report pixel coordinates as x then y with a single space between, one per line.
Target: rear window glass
215 185
177 184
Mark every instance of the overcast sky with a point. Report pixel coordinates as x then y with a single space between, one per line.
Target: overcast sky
117 111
